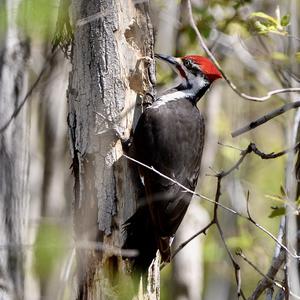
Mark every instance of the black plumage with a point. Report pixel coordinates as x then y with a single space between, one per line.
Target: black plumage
169 136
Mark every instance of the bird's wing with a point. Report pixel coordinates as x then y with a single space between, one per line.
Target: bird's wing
169 138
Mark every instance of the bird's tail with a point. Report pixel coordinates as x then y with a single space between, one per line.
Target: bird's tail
140 236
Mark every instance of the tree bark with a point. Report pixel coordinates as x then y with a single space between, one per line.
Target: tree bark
292 186
112 59
13 156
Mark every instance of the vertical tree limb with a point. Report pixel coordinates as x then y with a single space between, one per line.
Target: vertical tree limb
110 72
14 157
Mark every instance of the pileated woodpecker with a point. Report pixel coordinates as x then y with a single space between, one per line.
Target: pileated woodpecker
169 136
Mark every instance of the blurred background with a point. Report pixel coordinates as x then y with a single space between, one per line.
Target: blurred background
256 53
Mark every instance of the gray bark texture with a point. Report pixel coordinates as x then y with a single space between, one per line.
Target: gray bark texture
14 52
112 61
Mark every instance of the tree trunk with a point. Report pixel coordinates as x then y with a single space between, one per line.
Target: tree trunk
112 51
13 156
292 137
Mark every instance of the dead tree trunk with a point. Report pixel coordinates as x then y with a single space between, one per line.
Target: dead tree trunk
111 59
13 155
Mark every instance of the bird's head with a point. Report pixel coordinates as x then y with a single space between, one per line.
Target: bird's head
192 67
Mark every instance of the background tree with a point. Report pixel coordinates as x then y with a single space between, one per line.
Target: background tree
14 153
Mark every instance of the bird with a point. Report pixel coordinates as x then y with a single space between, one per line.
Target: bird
169 137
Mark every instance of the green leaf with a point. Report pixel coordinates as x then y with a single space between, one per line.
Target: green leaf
277 211
275 198
264 23
285 20
283 191
261 28
264 17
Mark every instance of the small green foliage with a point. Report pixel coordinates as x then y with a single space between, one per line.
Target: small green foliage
297 56
276 198
277 211
264 24
285 20
280 210
49 249
282 198
268 20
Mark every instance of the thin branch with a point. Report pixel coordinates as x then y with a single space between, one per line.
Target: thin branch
248 200
267 117
268 279
182 186
202 231
274 239
229 146
237 269
251 148
231 84
236 266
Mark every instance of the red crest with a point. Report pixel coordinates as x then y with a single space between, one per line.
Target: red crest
206 66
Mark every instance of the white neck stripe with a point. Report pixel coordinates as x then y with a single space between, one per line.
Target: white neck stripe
176 95
196 84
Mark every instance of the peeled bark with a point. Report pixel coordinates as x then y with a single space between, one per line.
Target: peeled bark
112 51
13 157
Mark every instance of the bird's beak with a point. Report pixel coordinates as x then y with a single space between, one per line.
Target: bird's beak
174 62
169 59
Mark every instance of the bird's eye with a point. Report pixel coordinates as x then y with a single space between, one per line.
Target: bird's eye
188 64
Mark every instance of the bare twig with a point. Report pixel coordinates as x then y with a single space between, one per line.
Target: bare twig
267 117
202 231
248 199
229 146
236 266
251 148
268 279
237 269
231 84
182 186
